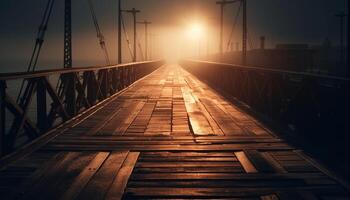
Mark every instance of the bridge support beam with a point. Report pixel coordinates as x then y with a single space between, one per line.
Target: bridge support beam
348 45
42 119
69 79
245 33
2 116
119 32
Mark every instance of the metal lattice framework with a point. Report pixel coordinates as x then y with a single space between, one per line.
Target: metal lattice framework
91 85
312 104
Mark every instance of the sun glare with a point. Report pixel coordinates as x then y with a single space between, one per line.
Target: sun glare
195 30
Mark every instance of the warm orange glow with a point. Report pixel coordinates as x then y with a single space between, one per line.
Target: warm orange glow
195 31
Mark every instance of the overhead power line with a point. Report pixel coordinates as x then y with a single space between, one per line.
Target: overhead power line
235 22
100 36
126 37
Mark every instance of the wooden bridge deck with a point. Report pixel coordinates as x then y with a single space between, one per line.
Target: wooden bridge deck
167 136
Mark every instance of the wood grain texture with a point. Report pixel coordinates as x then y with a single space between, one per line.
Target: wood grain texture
169 136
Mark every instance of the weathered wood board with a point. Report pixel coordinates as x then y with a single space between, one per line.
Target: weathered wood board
169 136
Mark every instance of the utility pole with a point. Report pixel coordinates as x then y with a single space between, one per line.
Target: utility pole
342 16
67 34
68 80
348 59
221 47
222 4
245 33
146 23
208 44
133 11
120 60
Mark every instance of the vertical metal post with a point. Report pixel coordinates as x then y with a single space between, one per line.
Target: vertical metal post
135 36
221 31
2 117
119 33
68 34
222 4
207 38
42 119
133 11
341 17
91 87
245 33
342 41
151 47
103 75
146 40
69 78
348 45
146 23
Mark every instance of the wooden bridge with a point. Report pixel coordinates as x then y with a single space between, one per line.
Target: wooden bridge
166 136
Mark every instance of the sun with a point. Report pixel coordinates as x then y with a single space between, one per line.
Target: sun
195 30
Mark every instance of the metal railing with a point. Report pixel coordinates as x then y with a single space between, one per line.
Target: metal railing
315 105
77 89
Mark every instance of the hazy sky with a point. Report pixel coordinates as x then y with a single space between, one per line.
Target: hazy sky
281 21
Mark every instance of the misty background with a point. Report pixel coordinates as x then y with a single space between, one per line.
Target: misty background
281 21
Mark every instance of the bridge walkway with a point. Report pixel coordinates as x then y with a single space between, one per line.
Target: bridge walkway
168 136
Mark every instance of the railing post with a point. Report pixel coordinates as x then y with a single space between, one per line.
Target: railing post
41 106
121 78
91 87
114 80
108 82
103 83
2 117
70 94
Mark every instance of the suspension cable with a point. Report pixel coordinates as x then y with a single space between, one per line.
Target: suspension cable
234 26
100 36
126 36
38 43
140 48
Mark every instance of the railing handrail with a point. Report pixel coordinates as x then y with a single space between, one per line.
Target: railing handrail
43 73
271 70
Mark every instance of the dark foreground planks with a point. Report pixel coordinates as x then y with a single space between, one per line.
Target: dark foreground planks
168 136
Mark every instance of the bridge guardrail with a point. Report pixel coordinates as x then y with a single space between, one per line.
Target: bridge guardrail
81 89
314 105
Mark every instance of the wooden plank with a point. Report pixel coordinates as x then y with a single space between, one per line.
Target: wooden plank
230 139
203 147
269 197
247 165
164 192
180 164
216 183
261 164
194 169
276 165
39 174
84 177
187 164
132 113
118 186
101 123
102 180
225 176
50 177
187 159
198 121
58 186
